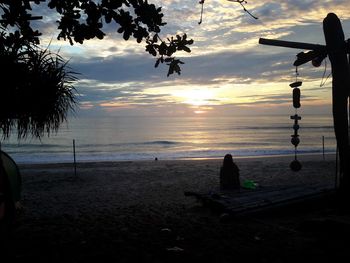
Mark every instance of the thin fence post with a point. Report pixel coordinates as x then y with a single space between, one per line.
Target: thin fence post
323 147
75 163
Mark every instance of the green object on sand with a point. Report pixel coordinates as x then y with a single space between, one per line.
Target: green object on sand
13 175
249 184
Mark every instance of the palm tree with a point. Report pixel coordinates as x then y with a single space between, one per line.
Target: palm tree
37 90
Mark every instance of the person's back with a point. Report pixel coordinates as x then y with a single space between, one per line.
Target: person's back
229 174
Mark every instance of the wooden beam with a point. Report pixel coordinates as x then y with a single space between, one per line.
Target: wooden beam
336 45
290 44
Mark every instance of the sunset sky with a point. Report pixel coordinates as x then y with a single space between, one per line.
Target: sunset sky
227 72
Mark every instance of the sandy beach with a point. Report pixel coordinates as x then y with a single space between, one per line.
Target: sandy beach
137 212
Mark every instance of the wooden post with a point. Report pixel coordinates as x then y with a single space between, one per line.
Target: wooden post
323 147
337 53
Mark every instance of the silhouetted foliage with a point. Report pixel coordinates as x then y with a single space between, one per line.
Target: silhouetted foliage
36 87
36 92
79 20
82 20
38 98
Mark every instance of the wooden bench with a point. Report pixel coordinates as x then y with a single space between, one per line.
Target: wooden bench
244 201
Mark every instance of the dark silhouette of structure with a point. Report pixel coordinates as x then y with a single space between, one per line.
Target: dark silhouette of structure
337 49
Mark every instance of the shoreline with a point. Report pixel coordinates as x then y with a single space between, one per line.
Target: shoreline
251 157
259 156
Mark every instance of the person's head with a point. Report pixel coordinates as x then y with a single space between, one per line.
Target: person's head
228 160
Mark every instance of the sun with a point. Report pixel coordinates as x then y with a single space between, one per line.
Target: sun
196 97
200 111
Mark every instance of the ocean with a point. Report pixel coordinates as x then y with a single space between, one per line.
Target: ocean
147 138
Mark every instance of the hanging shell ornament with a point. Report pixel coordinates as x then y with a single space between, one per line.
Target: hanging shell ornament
295 165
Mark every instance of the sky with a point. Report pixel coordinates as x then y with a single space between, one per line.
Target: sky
227 73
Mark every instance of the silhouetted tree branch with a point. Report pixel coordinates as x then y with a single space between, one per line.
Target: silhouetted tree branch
38 101
82 20
241 2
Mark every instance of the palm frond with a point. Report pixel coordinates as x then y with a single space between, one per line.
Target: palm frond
37 100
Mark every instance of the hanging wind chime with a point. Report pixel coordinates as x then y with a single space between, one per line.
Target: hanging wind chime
295 165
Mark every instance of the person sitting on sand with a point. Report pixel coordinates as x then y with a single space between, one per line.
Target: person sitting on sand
229 174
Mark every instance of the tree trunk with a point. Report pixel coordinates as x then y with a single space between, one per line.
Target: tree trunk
337 53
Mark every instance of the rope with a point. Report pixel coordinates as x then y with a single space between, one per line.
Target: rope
202 3
323 82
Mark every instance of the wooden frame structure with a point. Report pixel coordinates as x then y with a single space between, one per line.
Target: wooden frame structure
337 49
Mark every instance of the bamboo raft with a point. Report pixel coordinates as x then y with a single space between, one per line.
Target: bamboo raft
246 201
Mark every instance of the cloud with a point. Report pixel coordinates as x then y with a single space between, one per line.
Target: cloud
202 69
225 57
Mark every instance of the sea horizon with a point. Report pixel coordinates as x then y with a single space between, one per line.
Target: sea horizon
133 138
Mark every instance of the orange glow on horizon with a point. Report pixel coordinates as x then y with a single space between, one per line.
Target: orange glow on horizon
200 111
